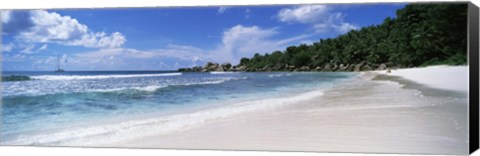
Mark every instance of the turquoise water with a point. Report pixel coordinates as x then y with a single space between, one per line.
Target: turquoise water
90 108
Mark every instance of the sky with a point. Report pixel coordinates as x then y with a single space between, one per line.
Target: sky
168 38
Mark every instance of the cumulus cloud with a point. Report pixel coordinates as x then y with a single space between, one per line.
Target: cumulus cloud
304 14
99 40
14 22
321 18
40 26
237 42
244 41
134 59
345 27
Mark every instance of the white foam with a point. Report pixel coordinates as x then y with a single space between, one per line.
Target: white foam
146 88
214 82
88 77
111 133
16 89
216 72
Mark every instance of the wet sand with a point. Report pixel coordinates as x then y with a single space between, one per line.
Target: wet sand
373 113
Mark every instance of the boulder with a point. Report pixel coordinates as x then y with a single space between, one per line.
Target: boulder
277 68
367 68
217 67
212 67
226 66
342 67
241 68
382 67
358 67
289 68
327 67
197 69
208 65
335 67
304 68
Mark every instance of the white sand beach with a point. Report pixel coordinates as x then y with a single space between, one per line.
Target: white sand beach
441 77
418 110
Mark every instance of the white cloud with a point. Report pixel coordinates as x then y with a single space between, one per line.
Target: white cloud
64 58
247 13
222 9
48 60
243 41
27 48
100 40
51 27
5 16
237 42
45 46
321 18
173 51
304 14
345 27
13 58
321 27
139 59
8 47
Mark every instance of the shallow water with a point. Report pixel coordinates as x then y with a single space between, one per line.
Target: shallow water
89 108
358 115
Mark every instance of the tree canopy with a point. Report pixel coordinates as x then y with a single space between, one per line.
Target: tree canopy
420 35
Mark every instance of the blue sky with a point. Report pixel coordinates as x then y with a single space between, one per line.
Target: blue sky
169 38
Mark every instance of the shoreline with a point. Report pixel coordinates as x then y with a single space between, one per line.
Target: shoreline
382 114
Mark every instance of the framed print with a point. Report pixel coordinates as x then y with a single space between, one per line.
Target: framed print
359 77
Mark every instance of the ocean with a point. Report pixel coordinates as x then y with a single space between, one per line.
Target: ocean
88 108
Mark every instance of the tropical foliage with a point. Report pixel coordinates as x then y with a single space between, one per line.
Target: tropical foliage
420 35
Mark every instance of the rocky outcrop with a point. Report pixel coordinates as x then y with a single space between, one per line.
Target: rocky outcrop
226 66
16 78
358 67
328 67
342 68
366 68
382 67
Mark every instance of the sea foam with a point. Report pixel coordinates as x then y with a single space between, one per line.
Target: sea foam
153 88
89 77
216 72
116 132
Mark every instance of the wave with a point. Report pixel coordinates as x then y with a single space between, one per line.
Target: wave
216 72
29 91
89 77
279 75
154 88
117 132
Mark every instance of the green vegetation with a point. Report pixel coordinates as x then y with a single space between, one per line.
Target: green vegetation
421 35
